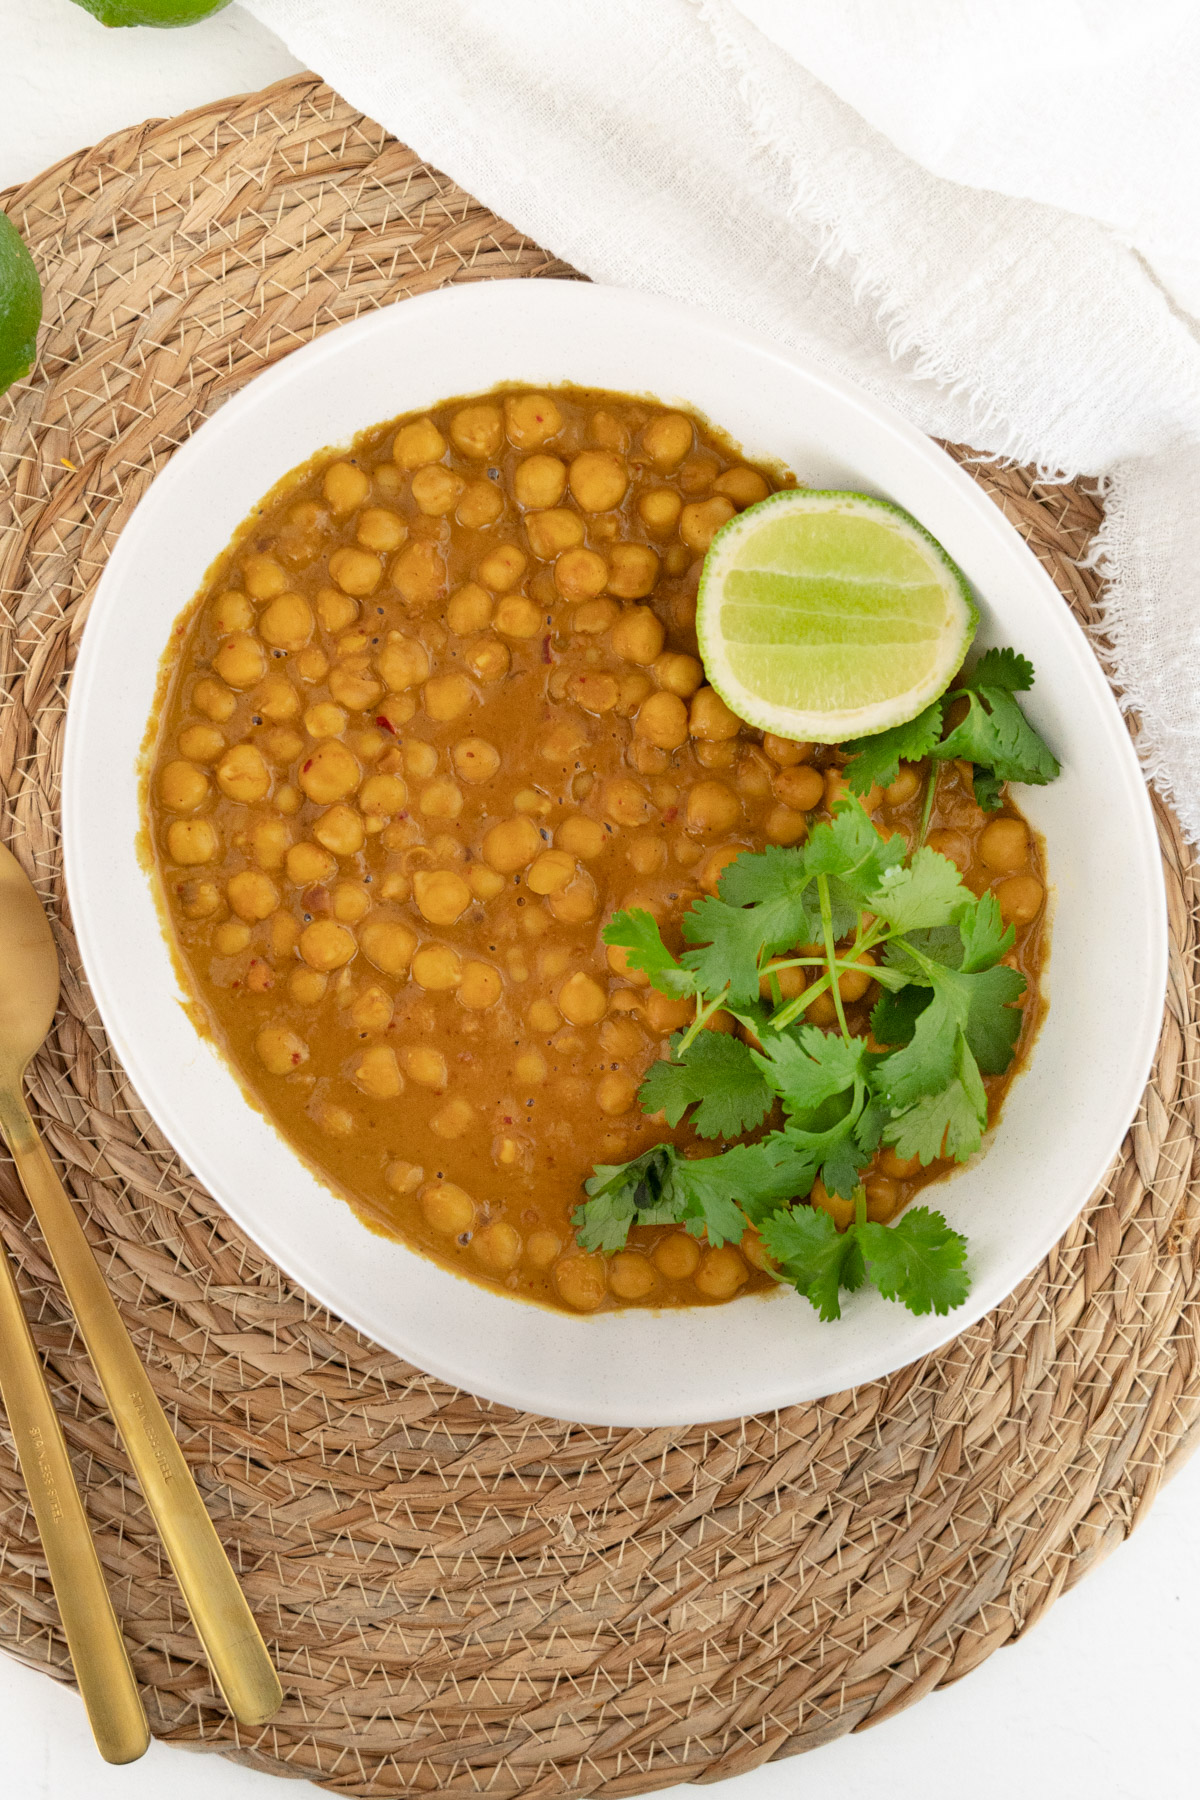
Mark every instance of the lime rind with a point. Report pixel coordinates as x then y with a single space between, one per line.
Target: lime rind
20 305
825 615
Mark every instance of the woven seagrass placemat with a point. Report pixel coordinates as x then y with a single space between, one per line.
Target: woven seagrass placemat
460 1597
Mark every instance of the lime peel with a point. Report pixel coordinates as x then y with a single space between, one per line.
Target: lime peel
20 305
824 615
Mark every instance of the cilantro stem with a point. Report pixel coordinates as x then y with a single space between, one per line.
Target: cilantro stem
935 770
830 954
703 1014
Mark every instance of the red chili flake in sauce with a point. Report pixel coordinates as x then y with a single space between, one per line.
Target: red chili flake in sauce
385 724
547 653
671 813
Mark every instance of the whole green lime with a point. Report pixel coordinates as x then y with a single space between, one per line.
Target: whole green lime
20 305
151 12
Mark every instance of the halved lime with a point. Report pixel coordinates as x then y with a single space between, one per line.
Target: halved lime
825 615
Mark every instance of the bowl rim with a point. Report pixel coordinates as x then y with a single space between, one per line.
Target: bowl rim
153 1085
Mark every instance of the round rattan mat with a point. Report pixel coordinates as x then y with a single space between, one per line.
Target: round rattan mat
460 1597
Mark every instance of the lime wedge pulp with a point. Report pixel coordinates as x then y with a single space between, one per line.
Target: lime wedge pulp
825 615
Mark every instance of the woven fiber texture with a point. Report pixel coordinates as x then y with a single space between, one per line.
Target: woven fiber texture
462 1598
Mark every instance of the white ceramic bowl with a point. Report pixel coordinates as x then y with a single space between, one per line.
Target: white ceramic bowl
1065 1117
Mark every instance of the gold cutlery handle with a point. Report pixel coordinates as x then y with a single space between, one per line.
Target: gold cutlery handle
232 1641
93 1636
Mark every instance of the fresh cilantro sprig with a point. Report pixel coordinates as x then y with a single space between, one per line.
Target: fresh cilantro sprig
994 735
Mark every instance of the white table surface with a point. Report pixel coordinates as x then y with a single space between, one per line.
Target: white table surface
1097 1703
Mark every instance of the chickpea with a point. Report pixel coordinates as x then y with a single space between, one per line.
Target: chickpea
678 674
698 473
419 574
324 720
621 1038
312 664
453 1119
530 1069
700 521
852 985
231 612
442 799
550 533
382 796
481 505
530 419
192 841
953 845
389 944
581 999
575 903
199 899
598 480
721 1273
638 635
540 481
417 444
745 487
334 1121
329 773
625 801
326 945
550 872
595 692
280 1051
616 1092
307 985
714 864
580 574
840 1210
475 760
634 570
243 775
630 1276
231 937
542 1247
403 662
351 902
336 610
801 787
252 895
678 1256
1004 845
900 1168
447 697
905 786
489 659
263 577
659 510
594 616
582 837
404 1177
356 572
518 617
448 1208
182 786
502 568
442 896
285 934
376 1072
372 1010
427 1067
785 751
667 438
345 487
214 700
580 1281
543 1016
883 1197
477 430
276 699
354 685
663 720
710 719
511 845
712 807
241 661
469 610
436 491
1020 899
480 986
308 863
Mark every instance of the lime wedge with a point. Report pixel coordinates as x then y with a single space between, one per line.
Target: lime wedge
826 616
20 305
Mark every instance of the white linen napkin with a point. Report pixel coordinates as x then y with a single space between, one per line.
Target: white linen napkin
988 216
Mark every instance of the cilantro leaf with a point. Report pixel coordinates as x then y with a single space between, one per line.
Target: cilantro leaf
877 759
637 932
918 1260
947 1121
853 856
894 1016
777 882
718 1075
814 1256
625 1194
995 731
758 1176
986 785
808 1067
1006 669
729 939
985 937
928 892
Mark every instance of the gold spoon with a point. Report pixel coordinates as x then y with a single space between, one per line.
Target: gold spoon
231 1639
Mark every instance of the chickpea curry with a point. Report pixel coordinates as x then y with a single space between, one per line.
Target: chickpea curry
435 718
